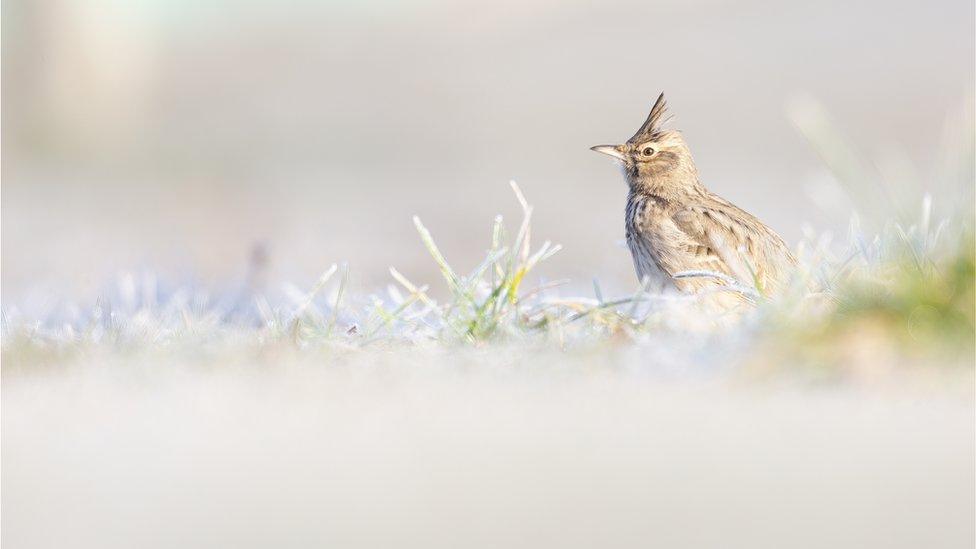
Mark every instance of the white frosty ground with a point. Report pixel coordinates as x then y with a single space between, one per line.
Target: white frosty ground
474 448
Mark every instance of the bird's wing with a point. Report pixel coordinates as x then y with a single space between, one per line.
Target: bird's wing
732 241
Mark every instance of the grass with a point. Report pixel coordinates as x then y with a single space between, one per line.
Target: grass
911 285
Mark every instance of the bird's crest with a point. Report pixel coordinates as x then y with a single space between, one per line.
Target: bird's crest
655 120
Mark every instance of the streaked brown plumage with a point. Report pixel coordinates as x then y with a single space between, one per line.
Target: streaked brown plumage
674 224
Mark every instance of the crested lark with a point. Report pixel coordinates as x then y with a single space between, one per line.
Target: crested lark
674 224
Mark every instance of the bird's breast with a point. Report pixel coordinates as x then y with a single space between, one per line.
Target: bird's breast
640 241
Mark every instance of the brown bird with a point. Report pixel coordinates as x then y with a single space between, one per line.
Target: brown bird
680 234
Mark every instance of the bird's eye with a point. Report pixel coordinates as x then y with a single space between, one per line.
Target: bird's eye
648 151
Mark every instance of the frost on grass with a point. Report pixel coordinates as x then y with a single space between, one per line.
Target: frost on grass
909 286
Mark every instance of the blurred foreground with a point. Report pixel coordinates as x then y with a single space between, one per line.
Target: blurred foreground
478 448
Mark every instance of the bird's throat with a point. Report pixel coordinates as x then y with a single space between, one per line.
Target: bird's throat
664 187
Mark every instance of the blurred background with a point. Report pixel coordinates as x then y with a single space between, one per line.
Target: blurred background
177 135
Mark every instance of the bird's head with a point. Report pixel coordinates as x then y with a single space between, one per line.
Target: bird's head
654 157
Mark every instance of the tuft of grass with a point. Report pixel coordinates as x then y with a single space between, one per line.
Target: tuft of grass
487 300
919 298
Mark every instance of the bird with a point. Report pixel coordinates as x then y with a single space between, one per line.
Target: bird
684 237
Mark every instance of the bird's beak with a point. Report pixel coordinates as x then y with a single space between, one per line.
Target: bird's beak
612 150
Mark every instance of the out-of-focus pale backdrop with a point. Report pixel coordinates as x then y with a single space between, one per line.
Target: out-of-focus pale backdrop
174 135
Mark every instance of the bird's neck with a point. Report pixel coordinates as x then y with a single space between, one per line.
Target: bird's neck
673 187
